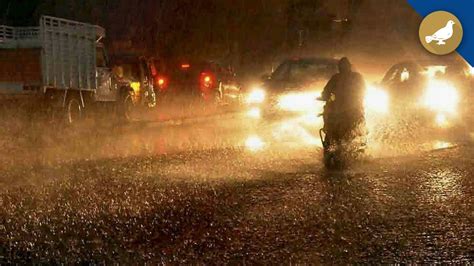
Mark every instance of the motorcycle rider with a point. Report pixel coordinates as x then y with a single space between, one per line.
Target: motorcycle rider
344 110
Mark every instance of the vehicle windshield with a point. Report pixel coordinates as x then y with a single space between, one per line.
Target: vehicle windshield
311 71
131 71
433 70
281 72
414 72
301 72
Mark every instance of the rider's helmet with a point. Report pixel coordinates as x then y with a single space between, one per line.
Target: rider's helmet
344 65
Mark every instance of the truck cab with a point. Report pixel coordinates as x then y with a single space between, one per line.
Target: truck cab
138 70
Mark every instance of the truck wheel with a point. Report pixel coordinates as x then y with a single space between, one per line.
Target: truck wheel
73 110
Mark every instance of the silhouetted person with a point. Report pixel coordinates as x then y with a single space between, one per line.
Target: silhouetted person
344 96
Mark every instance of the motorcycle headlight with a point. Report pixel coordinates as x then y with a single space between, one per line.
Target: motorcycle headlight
441 96
256 96
376 100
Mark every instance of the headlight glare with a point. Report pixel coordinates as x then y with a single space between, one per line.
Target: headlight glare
376 100
299 102
441 97
257 95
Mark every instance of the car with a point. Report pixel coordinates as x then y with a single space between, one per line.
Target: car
292 88
201 80
436 90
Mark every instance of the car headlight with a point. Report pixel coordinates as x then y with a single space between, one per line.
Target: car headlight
256 96
299 102
376 100
441 96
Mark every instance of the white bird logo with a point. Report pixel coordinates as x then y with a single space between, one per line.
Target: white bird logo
442 34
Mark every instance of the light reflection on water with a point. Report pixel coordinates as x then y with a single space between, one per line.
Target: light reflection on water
297 133
437 145
443 184
291 133
254 144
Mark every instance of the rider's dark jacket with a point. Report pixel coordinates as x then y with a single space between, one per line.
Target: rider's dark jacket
344 93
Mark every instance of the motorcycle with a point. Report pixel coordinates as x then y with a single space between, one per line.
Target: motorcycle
343 138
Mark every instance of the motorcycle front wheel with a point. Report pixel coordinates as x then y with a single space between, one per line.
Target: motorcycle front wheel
333 156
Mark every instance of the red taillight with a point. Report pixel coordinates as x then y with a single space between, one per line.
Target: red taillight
206 81
185 66
161 82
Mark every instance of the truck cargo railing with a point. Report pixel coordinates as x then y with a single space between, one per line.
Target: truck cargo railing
27 33
31 36
60 25
7 33
67 51
19 36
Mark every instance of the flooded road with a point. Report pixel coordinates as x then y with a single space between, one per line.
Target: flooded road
228 189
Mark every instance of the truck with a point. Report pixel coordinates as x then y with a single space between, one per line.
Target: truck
61 65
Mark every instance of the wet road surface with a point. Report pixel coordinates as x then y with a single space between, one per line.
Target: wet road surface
207 192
